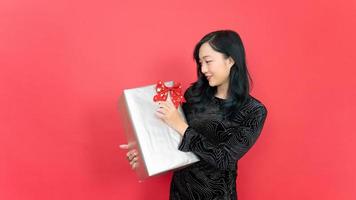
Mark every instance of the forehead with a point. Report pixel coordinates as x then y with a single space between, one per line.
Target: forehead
206 51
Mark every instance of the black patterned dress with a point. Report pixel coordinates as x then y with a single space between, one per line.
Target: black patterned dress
219 144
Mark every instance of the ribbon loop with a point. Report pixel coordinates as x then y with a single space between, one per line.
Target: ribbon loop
175 91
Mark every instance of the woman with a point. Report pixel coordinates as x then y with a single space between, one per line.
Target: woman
224 120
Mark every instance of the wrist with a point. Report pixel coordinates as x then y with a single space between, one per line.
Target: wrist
182 128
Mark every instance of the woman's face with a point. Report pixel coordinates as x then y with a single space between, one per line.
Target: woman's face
214 65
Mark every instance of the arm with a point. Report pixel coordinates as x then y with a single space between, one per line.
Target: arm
225 154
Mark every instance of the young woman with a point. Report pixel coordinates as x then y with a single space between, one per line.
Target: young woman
224 120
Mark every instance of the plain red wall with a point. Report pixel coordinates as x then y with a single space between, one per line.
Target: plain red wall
65 63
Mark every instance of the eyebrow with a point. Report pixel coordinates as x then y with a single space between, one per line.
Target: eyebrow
204 57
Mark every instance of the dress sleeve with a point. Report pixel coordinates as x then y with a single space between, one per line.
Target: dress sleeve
224 155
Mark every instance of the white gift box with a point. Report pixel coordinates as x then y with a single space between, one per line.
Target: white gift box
156 142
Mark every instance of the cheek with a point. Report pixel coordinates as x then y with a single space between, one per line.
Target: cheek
221 72
217 68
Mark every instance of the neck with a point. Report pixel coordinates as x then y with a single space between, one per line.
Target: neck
221 91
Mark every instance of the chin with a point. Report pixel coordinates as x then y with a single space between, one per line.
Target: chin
212 84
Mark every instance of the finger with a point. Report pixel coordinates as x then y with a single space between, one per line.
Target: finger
124 146
160 115
163 104
172 106
161 110
169 104
132 151
134 160
160 103
130 155
134 165
160 106
164 107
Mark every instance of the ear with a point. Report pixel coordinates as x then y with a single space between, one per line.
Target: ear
230 62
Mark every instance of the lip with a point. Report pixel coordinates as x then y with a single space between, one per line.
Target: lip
208 77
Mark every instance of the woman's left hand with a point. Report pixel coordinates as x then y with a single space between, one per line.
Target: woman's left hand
170 115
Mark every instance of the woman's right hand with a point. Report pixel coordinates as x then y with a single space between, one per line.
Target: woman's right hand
132 156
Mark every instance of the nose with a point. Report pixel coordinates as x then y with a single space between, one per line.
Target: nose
204 68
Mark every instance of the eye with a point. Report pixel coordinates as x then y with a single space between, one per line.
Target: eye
208 61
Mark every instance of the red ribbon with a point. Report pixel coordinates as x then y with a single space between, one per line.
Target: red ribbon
175 92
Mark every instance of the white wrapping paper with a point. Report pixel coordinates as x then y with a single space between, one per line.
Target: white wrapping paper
156 142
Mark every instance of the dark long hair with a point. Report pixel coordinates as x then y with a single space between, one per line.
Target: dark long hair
228 43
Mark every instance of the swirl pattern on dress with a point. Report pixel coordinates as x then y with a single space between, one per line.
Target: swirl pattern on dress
219 144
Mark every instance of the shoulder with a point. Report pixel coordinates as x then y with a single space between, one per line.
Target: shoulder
188 92
254 106
187 96
191 95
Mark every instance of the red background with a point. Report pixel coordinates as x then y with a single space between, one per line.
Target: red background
65 63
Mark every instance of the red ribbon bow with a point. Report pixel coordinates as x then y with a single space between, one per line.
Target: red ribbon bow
175 92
